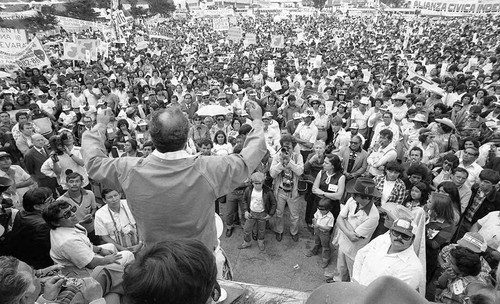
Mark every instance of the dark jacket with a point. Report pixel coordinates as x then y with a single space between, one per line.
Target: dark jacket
29 240
267 197
490 203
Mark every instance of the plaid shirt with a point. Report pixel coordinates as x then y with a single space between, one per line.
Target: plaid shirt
398 193
476 203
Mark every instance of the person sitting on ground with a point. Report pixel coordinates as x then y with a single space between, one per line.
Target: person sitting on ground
187 268
70 246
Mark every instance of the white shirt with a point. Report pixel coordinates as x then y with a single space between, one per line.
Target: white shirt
364 225
490 229
256 201
308 133
379 158
373 261
386 191
360 118
474 169
381 126
104 225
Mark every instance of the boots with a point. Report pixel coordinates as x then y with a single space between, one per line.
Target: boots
312 251
261 245
244 245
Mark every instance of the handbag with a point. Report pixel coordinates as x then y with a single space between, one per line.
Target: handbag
304 183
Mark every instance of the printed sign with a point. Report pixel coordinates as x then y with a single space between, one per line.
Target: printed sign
234 33
12 41
251 38
119 18
18 15
77 25
424 83
458 7
277 41
220 24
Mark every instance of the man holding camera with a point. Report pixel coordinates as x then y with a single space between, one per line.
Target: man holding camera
286 167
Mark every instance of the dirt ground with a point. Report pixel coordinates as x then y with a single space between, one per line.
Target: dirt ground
275 265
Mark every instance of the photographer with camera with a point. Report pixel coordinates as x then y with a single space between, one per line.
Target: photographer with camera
286 167
61 160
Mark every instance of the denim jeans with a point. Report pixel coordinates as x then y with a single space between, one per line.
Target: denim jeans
234 200
255 218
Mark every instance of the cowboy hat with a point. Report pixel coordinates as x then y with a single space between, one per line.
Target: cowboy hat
446 121
399 96
384 290
419 118
363 186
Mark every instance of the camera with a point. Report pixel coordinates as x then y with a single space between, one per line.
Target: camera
285 151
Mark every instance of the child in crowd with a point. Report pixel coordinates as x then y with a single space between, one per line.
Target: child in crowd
323 225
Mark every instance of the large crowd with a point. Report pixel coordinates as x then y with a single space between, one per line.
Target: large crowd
402 178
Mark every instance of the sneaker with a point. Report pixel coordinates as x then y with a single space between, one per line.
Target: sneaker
244 245
279 237
295 238
261 245
309 253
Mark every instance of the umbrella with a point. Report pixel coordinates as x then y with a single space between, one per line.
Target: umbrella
212 110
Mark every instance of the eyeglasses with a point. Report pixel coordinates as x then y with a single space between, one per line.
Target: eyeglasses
398 234
68 213
257 183
355 143
221 119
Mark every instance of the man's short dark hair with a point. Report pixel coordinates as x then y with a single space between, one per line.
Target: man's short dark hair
205 142
73 175
490 175
51 213
394 166
467 262
23 124
19 114
387 134
172 271
418 149
418 169
288 138
171 135
34 197
245 129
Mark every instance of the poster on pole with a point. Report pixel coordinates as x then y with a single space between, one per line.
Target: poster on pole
12 41
220 24
119 18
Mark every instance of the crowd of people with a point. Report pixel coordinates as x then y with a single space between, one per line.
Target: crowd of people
100 162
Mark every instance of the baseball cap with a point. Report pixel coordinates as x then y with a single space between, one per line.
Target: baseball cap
403 226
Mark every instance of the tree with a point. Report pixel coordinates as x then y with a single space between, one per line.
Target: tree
40 22
163 7
82 9
136 11
319 3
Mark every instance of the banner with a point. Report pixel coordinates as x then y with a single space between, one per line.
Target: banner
18 15
235 33
160 33
79 50
12 41
424 83
457 7
277 41
33 56
77 25
220 24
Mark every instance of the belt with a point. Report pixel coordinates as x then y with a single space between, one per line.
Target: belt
285 189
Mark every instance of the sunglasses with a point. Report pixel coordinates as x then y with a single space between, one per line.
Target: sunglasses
398 234
68 213
221 119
